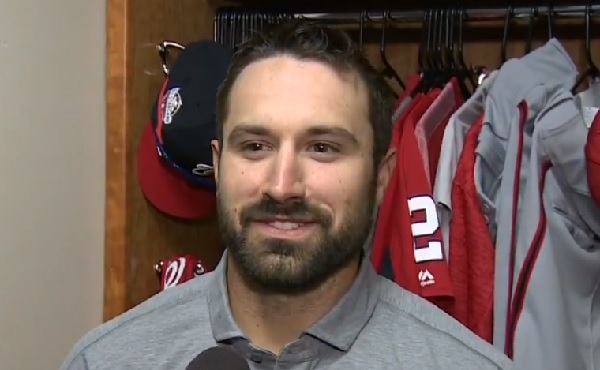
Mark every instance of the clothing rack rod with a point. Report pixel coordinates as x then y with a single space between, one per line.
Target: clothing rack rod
471 14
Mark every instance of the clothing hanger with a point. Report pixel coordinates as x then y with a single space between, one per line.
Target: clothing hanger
421 52
443 67
459 68
532 17
507 19
361 29
163 49
550 22
388 71
592 71
426 64
464 68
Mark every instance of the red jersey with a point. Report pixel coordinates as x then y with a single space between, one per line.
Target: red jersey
472 248
592 153
408 225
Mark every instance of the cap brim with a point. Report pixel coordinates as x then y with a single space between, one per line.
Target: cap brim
165 190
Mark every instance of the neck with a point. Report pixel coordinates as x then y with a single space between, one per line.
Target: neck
273 321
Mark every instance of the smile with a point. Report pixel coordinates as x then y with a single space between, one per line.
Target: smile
285 229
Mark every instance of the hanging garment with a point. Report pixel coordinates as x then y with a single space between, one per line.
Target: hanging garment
407 230
589 101
381 257
560 256
429 131
431 127
513 102
450 151
471 257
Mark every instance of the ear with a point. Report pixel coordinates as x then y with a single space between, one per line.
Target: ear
216 154
386 168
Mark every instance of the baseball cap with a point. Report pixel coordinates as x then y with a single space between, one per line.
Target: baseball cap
175 170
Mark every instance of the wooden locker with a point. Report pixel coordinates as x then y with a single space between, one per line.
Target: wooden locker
137 235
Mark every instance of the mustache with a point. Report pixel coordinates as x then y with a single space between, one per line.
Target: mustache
296 209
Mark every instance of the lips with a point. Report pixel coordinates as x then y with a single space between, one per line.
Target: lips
286 225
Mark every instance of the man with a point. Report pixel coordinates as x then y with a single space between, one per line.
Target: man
303 126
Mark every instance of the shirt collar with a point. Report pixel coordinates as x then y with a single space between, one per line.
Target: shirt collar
339 328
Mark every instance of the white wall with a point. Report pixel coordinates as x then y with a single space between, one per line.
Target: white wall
52 109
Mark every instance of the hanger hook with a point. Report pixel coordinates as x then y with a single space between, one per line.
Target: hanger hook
588 44
422 44
507 19
532 17
550 22
442 34
388 70
382 41
450 36
430 36
163 52
363 16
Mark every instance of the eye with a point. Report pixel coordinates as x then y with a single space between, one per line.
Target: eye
323 148
254 147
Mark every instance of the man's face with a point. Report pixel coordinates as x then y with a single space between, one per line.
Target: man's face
296 183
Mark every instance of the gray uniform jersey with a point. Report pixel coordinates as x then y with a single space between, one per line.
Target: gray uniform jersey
555 231
377 325
560 254
513 102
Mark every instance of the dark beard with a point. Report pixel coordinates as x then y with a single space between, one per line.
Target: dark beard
278 266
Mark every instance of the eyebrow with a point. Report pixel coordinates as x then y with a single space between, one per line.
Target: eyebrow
317 130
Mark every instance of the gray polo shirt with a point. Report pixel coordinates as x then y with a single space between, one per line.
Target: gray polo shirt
377 325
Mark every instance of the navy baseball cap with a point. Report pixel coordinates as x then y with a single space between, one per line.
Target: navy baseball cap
175 157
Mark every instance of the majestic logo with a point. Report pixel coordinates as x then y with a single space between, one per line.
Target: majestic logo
426 278
172 104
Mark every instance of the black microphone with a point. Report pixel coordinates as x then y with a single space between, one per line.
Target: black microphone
218 358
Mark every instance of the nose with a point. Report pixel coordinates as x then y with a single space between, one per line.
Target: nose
286 180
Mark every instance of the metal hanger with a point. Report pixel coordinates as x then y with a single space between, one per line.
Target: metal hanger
550 17
533 13
507 19
163 53
592 71
361 29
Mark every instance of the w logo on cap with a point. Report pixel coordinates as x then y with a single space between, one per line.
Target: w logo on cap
177 270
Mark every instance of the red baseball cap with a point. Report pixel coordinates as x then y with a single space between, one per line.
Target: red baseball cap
175 170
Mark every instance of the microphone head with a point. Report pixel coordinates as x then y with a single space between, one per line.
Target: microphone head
221 358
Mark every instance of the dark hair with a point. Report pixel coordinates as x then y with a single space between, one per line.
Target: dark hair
330 46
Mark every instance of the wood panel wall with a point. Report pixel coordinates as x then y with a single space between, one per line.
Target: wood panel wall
137 235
